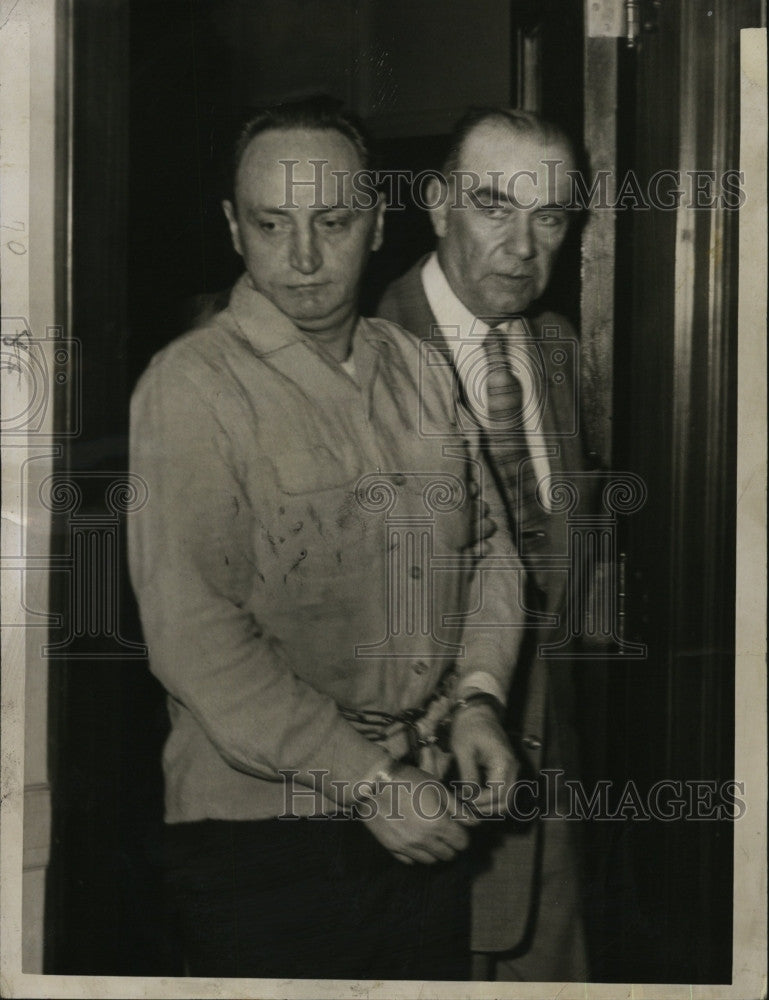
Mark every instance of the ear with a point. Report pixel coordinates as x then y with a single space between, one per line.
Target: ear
377 233
232 222
437 203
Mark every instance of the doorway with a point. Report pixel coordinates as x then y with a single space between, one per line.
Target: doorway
158 91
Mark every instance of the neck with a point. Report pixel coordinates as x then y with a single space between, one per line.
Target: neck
335 340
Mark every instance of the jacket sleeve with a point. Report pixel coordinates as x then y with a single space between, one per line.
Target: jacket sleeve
496 617
192 568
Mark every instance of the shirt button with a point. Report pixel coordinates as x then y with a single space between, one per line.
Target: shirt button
416 573
532 742
420 667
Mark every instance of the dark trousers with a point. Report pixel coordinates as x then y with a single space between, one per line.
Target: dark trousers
313 898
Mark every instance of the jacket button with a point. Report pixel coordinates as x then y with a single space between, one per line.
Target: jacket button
532 742
420 667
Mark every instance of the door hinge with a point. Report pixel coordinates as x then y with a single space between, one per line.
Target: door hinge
628 19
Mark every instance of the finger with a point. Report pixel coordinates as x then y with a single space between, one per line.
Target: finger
464 798
421 855
468 769
491 802
403 858
512 772
443 850
453 833
468 818
500 767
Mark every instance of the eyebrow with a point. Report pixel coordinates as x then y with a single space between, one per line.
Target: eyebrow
491 195
264 210
252 210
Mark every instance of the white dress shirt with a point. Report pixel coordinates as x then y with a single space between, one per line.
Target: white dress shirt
465 334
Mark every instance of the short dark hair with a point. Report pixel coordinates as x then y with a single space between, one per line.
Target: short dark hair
525 122
321 113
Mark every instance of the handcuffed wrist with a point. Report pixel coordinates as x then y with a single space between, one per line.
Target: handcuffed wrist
475 699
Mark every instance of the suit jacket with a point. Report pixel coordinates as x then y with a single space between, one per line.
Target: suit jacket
540 701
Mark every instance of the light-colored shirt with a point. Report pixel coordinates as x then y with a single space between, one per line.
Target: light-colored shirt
307 546
464 334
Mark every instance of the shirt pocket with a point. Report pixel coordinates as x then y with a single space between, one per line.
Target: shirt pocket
318 528
304 471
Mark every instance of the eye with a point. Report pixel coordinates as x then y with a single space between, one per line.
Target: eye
334 222
494 211
551 220
267 222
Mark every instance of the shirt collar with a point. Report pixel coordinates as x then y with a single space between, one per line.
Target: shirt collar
447 308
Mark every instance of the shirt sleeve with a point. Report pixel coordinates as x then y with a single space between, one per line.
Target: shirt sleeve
481 680
192 567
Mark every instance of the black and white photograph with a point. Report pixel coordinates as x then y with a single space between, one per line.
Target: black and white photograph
383 426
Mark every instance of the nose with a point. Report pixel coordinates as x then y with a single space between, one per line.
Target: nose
305 254
519 241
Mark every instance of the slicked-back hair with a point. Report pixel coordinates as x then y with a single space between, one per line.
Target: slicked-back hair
316 113
523 122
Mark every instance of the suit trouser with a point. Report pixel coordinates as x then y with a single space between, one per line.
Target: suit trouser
316 898
554 949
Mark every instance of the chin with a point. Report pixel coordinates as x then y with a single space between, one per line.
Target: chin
308 311
314 317
510 307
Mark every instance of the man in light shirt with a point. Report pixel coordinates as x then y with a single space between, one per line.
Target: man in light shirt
500 218
302 565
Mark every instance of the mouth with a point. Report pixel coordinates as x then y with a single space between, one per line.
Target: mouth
309 286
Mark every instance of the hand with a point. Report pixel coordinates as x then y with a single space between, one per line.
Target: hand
483 755
400 815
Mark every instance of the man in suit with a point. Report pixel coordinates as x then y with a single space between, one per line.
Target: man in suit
499 215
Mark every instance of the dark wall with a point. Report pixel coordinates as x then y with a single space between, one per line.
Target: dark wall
106 714
197 70
179 94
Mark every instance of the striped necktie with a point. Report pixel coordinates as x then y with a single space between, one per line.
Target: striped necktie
506 441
